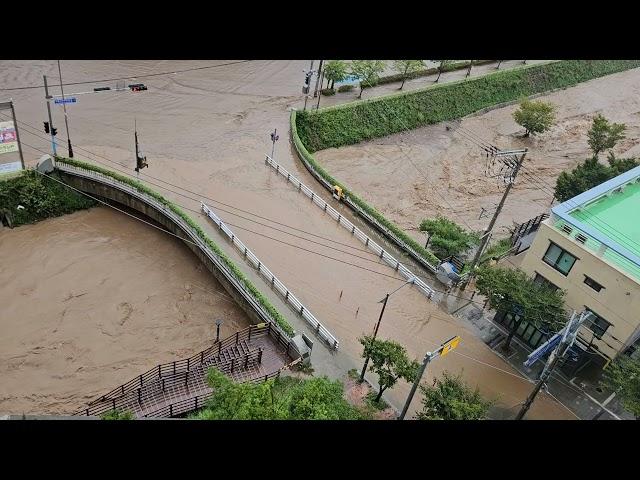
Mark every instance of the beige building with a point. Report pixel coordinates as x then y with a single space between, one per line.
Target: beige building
590 247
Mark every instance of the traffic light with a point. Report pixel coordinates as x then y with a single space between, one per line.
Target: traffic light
141 162
46 127
54 131
307 82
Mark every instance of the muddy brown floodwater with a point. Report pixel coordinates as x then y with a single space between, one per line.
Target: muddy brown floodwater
208 131
451 179
92 299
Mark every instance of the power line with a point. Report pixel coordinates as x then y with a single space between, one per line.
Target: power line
131 76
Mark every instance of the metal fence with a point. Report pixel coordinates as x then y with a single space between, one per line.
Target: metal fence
355 231
280 287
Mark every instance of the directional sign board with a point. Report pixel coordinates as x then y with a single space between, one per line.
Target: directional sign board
449 345
65 100
543 349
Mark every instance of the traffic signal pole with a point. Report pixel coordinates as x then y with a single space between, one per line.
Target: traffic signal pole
64 106
48 98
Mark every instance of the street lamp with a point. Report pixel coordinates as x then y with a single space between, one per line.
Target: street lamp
218 323
274 138
375 332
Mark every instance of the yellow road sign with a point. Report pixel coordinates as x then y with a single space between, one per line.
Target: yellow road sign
449 345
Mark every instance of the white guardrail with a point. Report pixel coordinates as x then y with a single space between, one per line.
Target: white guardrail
280 287
355 231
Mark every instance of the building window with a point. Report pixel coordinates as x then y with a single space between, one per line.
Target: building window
592 283
543 281
597 324
559 259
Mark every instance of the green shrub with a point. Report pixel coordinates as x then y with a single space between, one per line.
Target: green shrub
357 121
345 88
275 315
328 92
40 196
117 415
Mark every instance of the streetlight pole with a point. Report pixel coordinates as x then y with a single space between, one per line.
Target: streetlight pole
375 332
64 106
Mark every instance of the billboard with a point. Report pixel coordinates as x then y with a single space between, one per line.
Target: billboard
10 151
8 138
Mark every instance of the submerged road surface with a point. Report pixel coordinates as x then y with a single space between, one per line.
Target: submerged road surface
207 131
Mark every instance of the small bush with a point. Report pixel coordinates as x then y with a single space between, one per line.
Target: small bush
345 88
328 92
117 415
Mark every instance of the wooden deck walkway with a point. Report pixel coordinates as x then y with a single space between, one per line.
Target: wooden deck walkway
254 354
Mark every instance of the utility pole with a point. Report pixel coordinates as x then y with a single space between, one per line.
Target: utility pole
485 237
568 337
320 92
307 82
315 92
375 332
51 129
64 106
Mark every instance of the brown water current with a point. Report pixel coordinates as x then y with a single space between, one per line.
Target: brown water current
208 131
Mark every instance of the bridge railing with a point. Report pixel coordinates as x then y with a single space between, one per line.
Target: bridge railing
188 229
280 287
135 389
355 231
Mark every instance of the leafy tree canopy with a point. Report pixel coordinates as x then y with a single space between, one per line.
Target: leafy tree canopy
389 361
336 71
535 116
285 398
447 237
604 135
511 290
623 377
589 174
368 71
407 67
450 398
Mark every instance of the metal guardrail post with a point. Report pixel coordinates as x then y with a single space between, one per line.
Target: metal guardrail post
171 410
260 355
122 389
114 403
159 371
87 412
140 380
237 336
233 364
202 356
140 396
219 347
246 361
188 364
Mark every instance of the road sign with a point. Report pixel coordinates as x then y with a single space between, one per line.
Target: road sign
449 345
59 101
543 349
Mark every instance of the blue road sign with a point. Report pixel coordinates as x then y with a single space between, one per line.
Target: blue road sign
66 100
543 349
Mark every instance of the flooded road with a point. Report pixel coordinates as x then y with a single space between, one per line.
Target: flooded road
92 299
208 131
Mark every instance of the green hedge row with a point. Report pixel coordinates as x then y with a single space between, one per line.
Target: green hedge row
362 120
40 197
431 71
280 320
426 254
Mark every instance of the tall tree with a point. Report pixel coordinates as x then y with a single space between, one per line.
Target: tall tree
368 71
389 361
335 71
535 116
512 291
604 135
450 398
443 67
447 237
589 174
406 68
623 377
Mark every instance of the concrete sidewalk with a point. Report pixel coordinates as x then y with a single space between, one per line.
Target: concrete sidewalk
581 394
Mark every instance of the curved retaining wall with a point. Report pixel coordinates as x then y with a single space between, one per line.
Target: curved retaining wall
110 189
